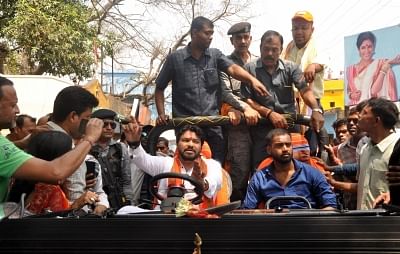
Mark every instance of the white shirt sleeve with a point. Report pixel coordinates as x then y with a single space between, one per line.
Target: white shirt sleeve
152 165
213 177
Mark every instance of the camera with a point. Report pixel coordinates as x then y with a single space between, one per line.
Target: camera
122 119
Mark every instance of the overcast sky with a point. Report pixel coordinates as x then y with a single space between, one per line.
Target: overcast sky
333 19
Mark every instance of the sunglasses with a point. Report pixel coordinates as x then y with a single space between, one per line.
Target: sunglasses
354 120
111 124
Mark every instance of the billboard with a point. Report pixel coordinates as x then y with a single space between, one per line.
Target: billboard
372 65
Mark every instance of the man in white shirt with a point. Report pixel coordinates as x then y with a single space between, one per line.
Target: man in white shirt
187 161
72 109
378 119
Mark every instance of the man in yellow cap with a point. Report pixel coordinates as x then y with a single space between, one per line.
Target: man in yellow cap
303 51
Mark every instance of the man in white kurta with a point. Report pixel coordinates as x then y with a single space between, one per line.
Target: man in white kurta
187 160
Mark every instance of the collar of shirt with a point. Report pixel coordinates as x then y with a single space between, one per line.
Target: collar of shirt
186 171
237 59
187 53
386 141
298 167
55 127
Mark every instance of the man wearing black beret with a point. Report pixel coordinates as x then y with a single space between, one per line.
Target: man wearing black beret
115 163
239 140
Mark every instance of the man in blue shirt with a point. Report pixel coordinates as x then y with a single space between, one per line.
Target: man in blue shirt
288 177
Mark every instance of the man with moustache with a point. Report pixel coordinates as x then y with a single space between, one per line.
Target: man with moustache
187 160
115 164
278 77
197 89
238 157
288 177
303 51
17 164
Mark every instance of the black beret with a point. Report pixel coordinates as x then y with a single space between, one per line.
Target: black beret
242 27
104 114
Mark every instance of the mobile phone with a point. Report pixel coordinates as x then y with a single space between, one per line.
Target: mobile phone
82 126
90 169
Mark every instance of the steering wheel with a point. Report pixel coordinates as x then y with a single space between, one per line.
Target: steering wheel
198 186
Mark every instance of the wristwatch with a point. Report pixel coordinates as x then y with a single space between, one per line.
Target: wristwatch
318 110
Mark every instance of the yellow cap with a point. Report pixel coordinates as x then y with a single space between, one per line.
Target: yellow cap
306 15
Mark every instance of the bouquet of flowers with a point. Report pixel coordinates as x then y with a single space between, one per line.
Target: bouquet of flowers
186 208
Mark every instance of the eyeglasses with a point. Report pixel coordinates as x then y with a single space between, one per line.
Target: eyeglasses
354 120
111 124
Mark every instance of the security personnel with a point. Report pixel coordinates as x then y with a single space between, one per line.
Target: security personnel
238 159
114 161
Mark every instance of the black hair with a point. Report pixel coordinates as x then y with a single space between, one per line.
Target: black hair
72 98
4 82
386 110
49 145
359 107
365 36
271 33
193 128
199 23
162 139
338 123
19 121
276 132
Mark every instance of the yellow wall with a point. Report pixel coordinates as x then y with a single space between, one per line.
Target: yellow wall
333 93
107 101
94 88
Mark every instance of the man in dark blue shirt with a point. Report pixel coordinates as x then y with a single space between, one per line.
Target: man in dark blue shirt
288 177
196 86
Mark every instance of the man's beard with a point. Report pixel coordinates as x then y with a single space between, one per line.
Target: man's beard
283 159
185 157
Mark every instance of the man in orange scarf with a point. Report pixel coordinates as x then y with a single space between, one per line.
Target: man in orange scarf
186 161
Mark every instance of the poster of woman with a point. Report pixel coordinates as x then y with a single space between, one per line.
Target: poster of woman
372 61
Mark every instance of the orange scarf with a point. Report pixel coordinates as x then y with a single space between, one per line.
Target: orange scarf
314 162
176 168
47 196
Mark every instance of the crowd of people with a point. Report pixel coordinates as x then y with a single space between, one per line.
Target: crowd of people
72 159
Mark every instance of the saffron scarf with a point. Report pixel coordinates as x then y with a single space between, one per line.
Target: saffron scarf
176 168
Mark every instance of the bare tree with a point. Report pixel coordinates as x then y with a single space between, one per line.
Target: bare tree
135 21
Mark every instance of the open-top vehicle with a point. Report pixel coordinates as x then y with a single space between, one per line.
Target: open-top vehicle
272 230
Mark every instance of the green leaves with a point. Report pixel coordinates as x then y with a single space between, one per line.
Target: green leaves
55 36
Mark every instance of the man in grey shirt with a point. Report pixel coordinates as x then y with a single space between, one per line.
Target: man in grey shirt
196 86
72 109
278 76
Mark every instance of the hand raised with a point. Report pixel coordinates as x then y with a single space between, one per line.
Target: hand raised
132 130
93 129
